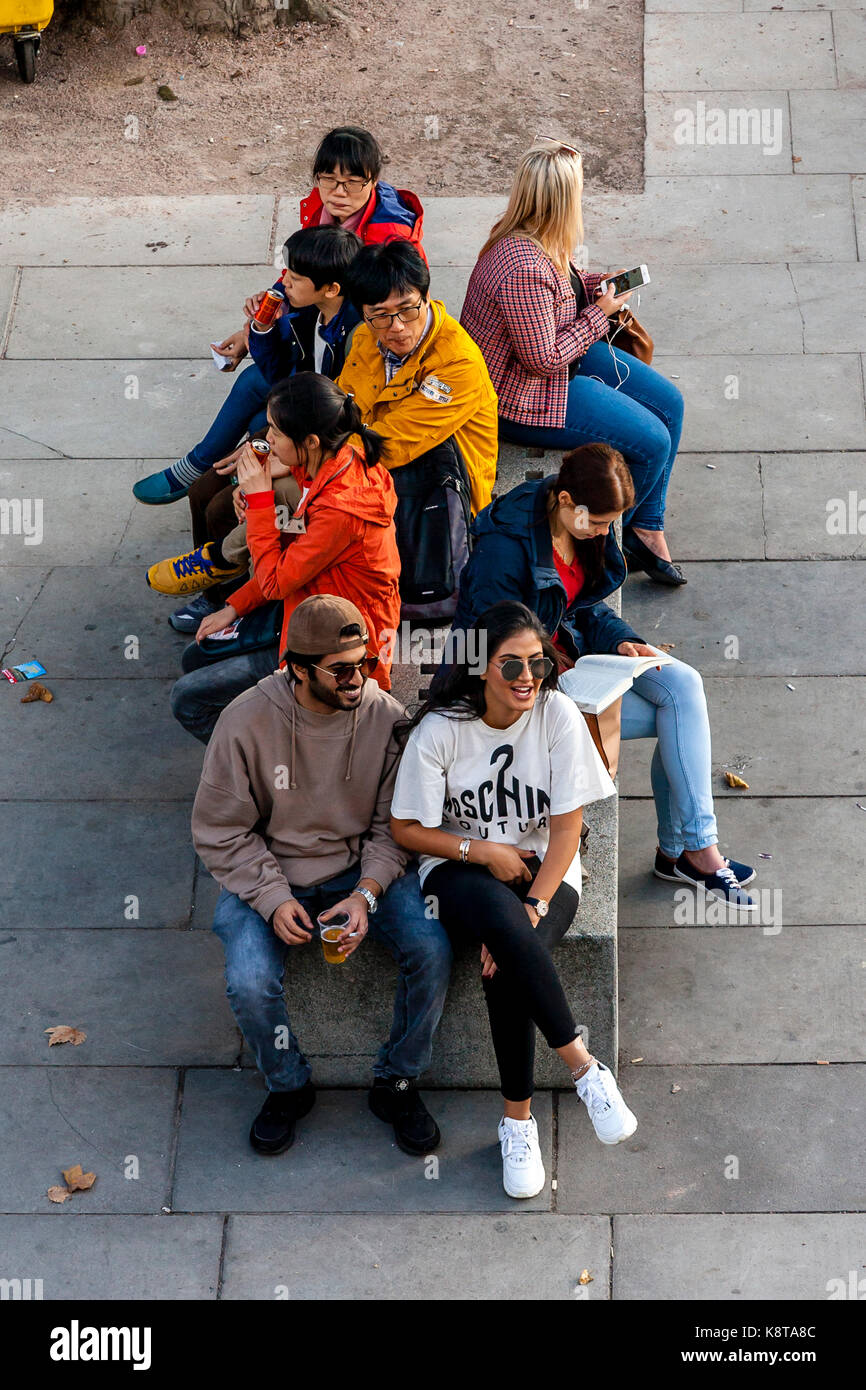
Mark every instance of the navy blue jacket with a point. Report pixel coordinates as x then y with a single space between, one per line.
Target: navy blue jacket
513 559
288 347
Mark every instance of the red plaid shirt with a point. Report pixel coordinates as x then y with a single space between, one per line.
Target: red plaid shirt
522 313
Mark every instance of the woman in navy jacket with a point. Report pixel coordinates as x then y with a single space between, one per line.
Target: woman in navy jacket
550 544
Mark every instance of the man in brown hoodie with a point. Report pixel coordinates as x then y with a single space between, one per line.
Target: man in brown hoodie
292 819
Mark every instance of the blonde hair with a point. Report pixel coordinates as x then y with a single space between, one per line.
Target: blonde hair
545 202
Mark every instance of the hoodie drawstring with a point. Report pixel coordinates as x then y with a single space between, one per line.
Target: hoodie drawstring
348 776
292 783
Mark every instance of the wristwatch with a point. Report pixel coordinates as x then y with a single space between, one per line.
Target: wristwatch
369 898
541 905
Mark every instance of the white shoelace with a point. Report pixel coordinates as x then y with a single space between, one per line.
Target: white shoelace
595 1095
517 1143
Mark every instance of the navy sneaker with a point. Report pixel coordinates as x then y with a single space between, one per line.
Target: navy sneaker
187 619
722 884
666 868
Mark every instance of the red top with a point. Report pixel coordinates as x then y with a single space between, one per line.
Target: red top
574 579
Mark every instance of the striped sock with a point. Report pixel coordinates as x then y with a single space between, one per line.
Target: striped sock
184 473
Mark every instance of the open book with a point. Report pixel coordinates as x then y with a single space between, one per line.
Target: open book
594 682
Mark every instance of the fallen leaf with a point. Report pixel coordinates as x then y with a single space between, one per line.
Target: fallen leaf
62 1033
734 781
637 1059
58 1194
165 93
37 692
798 159
77 1181
666 646
585 1277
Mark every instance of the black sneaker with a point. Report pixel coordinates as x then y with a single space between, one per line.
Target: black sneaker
273 1129
395 1100
666 868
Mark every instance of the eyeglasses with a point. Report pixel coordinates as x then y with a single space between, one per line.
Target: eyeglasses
539 668
329 184
404 315
344 671
561 143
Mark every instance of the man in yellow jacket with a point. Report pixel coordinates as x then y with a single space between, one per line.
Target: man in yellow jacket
418 378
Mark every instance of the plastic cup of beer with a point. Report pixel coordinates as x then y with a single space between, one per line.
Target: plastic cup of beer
331 929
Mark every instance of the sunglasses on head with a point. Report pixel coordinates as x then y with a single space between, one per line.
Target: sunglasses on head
539 668
344 671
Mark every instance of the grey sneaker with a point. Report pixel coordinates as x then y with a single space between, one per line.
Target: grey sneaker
187 619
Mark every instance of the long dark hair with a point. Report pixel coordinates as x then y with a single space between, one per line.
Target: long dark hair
307 404
596 477
461 692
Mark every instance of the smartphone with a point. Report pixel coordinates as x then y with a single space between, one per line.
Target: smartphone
627 280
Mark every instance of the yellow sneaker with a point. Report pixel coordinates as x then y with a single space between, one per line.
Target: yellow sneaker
186 574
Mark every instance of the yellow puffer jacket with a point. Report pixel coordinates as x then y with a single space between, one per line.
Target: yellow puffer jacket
443 389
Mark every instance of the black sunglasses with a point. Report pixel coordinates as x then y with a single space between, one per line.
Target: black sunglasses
539 668
345 670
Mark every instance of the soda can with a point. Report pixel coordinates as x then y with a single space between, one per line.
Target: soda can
261 446
268 307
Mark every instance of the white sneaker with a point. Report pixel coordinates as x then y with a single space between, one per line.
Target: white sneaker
522 1169
611 1118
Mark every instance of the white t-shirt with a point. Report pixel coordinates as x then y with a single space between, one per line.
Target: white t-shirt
475 782
319 344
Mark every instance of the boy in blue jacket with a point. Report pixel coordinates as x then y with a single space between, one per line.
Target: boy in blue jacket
310 335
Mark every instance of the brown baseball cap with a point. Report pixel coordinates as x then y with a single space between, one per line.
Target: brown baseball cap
323 624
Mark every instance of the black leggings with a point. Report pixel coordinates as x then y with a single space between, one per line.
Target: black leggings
526 990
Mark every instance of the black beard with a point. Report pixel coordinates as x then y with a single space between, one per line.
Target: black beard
324 693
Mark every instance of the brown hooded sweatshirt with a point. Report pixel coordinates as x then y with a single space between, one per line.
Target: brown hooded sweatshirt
288 796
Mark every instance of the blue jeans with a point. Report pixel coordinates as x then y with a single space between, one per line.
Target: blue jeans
243 409
643 419
199 697
256 963
670 706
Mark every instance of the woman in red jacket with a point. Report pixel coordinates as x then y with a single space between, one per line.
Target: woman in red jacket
542 326
343 542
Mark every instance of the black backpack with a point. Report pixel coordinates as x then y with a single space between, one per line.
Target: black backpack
432 521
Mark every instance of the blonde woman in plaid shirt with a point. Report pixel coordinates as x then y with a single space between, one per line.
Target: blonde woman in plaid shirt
542 326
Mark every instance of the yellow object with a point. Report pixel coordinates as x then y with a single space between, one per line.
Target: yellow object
442 389
24 15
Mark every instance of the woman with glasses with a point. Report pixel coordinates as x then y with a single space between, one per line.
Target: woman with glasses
550 544
494 775
341 540
542 326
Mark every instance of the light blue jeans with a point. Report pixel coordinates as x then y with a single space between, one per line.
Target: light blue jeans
256 960
670 706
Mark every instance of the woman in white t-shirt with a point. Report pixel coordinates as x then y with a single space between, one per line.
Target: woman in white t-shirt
496 770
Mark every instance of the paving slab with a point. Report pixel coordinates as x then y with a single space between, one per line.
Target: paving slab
702 52
343 1158
817 287
100 1117
700 495
153 533
858 195
694 6
849 28
82 409
207 229
21 446
71 864
116 1257
827 132
101 622
104 738
147 311
21 584
448 282
726 220
699 309
144 998
806 742
8 276
403 1258
789 1258
808 508
749 5
786 828
757 617
796 1133
455 229
782 402
678 123
736 996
